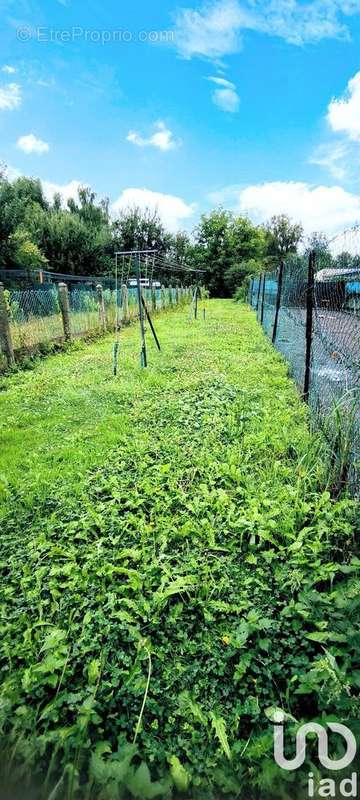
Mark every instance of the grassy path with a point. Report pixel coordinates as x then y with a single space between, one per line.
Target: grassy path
66 415
167 527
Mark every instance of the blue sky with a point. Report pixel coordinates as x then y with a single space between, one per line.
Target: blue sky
253 104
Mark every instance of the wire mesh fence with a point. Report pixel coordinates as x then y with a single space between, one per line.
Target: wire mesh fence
310 307
34 317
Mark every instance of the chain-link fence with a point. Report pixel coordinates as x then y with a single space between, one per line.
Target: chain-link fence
310 308
32 319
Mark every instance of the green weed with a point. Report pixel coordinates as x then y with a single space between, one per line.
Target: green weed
173 567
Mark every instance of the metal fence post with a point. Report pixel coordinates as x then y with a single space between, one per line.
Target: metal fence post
278 301
250 294
65 309
258 293
5 332
309 324
102 314
196 302
263 299
143 356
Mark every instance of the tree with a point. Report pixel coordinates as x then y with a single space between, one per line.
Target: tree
140 229
81 238
27 192
213 251
27 255
282 237
73 246
180 247
318 242
92 214
235 276
77 239
8 222
248 244
224 246
19 201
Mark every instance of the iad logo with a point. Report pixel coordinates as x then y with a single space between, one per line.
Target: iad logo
319 730
327 786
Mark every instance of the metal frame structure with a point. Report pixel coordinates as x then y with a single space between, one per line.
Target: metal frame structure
164 265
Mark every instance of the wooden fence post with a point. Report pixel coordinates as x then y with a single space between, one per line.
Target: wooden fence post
309 324
102 314
5 331
65 309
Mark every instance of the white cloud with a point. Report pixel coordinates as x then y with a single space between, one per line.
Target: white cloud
163 138
333 157
221 82
31 144
226 99
340 154
212 31
299 22
8 69
172 210
344 114
45 84
66 191
10 97
319 208
215 29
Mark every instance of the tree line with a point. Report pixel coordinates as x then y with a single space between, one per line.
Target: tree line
81 237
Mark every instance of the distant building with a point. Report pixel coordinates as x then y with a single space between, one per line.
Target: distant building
338 288
145 283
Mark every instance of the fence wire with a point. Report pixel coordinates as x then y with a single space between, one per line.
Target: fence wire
334 366
35 317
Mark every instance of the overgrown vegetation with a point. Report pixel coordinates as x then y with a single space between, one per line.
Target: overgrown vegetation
173 565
